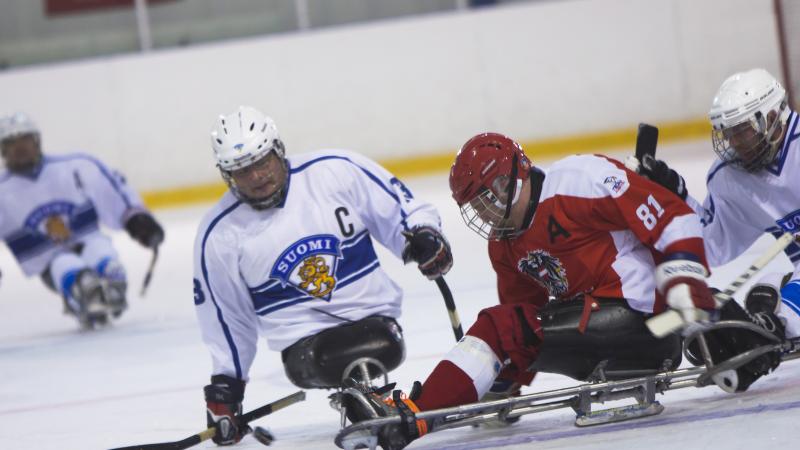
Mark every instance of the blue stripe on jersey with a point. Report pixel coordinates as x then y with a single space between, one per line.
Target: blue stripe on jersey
364 272
790 296
26 243
108 175
345 243
357 253
792 250
225 329
369 175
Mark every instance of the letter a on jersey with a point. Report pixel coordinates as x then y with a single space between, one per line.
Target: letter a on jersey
310 265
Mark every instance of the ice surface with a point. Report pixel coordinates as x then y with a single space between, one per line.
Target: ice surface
140 380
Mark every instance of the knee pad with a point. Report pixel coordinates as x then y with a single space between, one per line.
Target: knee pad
320 361
614 335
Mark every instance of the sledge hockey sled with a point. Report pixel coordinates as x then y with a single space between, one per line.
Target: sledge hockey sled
640 387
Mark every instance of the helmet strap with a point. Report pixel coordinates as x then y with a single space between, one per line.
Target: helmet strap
512 187
537 181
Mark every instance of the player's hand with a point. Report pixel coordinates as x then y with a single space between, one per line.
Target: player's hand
658 171
223 407
428 247
683 284
144 229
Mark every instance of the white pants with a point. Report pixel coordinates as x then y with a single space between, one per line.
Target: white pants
98 254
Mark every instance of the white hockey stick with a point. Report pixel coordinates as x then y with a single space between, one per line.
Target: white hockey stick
671 320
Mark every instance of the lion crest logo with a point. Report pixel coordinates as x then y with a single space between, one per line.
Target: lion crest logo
314 273
57 229
547 270
310 265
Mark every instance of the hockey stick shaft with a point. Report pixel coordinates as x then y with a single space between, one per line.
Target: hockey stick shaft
455 321
209 432
149 274
646 143
670 321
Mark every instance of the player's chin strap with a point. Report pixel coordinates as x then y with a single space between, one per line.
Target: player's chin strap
537 180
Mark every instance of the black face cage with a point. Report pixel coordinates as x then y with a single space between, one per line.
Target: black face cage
750 145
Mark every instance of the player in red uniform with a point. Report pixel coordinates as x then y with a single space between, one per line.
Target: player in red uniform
584 253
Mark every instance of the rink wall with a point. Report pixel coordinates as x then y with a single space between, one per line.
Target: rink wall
561 76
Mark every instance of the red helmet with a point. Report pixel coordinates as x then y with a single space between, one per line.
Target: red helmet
487 173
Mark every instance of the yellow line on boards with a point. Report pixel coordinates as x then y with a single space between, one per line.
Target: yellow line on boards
440 161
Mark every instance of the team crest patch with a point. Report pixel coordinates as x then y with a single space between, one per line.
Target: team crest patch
53 220
57 229
616 184
547 270
310 265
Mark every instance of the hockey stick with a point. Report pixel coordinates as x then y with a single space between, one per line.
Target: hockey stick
646 142
149 273
455 321
244 419
669 321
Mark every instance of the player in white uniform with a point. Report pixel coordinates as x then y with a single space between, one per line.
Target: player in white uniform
50 211
753 187
287 254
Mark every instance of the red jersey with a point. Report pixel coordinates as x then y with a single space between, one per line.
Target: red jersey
599 229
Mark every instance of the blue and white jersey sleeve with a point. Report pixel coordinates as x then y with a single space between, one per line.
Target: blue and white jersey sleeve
227 318
389 206
115 200
727 229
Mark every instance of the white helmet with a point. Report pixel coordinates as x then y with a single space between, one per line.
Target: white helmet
748 98
17 124
241 138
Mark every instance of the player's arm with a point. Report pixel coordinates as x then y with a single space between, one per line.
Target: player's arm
229 328
664 222
728 230
406 225
117 204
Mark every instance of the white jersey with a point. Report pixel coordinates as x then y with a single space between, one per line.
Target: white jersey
59 206
307 265
741 206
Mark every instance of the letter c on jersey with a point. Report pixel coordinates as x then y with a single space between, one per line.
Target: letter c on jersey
347 229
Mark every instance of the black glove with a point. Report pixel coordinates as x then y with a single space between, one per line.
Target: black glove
144 229
427 246
658 171
223 407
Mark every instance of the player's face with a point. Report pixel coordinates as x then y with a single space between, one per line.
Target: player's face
262 178
746 141
750 145
21 153
490 209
